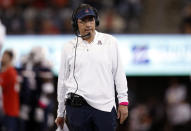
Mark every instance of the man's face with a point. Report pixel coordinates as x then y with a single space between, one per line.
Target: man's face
86 25
5 58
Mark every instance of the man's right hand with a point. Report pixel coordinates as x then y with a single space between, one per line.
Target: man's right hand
60 122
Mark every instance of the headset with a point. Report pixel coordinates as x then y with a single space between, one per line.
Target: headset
75 12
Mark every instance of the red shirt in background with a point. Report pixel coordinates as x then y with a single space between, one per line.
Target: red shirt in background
8 81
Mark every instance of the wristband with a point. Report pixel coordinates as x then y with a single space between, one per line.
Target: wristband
124 103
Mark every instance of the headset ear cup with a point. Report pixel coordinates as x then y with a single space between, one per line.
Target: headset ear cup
96 17
97 22
75 26
74 21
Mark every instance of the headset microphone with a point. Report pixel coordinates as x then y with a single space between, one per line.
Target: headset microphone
88 34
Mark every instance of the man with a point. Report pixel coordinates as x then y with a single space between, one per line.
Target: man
90 70
8 83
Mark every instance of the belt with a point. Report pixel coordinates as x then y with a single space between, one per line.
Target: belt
75 100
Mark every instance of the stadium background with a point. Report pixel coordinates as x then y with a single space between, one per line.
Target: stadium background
157 102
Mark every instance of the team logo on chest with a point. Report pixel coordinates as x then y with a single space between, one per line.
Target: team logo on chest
99 42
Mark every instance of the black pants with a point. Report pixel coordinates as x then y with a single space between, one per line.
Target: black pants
11 123
87 118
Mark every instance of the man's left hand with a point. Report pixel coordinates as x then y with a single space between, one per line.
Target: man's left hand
122 113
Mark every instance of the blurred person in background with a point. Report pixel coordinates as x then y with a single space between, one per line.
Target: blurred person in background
90 68
112 22
186 12
2 35
2 38
178 108
36 91
140 119
9 85
186 25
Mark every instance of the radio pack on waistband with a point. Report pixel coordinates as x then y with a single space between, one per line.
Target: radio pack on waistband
75 100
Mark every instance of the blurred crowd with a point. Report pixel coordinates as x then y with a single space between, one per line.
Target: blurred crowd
54 16
167 110
36 90
37 84
162 105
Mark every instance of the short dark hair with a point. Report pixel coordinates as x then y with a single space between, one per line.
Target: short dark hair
10 53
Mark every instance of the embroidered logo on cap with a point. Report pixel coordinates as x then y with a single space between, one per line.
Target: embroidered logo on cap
86 10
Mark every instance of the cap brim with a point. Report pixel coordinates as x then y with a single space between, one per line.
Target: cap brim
82 16
85 12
